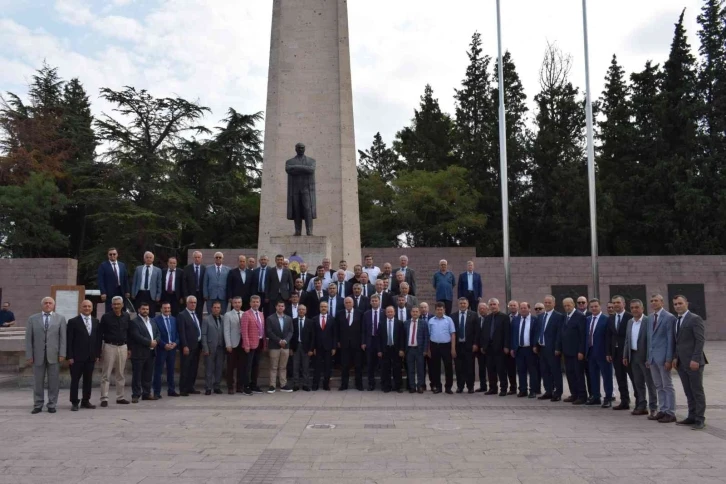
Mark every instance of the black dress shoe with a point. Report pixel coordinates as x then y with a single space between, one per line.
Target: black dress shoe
195 392
104 404
217 391
123 401
158 397
686 421
295 388
622 406
657 416
459 390
521 394
36 410
208 392
511 392
579 401
449 392
481 390
134 400
315 388
435 391
607 403
172 394
490 392
359 388
74 408
51 410
570 399
411 390
306 389
386 390
555 399
326 388
593 401
532 395
667 419
502 394
87 404
342 388
470 391
400 390
183 394
370 389
698 426
421 389
546 396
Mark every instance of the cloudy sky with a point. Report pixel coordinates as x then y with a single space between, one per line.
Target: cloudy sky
216 51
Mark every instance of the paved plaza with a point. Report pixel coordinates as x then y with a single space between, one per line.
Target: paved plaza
359 437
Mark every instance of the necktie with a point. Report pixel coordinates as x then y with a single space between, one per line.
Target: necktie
299 329
655 320
617 322
678 325
365 290
219 271
390 332
357 301
168 329
491 329
170 276
375 322
544 328
262 280
481 322
115 272
350 320
322 325
88 325
196 321
46 323
196 276
592 330
259 325
413 333
341 290
522 322
402 314
146 279
462 326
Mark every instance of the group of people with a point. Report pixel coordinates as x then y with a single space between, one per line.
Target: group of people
307 321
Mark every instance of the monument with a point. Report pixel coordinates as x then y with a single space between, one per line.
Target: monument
310 100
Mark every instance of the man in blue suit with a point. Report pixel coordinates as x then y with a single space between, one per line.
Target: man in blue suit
146 285
113 280
166 351
470 286
550 331
215 284
417 345
525 330
661 335
596 343
572 346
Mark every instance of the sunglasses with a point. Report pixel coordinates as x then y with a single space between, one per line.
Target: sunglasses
539 309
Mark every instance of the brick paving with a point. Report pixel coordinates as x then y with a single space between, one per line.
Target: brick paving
353 437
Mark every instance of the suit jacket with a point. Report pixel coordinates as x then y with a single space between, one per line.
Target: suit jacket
399 335
275 334
212 333
386 299
643 341
178 283
325 339
662 338
690 340
600 338
371 290
312 302
154 281
306 278
349 286
572 335
277 287
370 335
462 288
410 279
107 282
235 286
350 336
407 315
534 331
215 285
499 336
308 335
339 306
189 334
362 304
551 336
251 334
471 328
232 328
139 340
40 343
423 338
344 293
189 283
616 338
80 346
167 337
256 289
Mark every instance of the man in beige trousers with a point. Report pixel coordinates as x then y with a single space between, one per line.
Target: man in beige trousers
278 329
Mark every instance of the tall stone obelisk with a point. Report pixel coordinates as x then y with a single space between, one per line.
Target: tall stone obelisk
310 100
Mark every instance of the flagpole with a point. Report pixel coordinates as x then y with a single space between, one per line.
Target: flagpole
590 162
504 177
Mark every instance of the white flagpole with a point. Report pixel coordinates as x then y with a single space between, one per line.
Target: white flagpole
504 178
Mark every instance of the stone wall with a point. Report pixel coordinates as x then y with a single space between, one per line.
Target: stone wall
25 282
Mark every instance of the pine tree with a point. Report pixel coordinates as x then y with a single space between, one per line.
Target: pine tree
379 159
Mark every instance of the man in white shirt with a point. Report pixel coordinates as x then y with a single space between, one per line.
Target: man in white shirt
369 268
635 356
143 339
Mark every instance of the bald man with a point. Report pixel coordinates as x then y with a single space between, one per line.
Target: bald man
146 286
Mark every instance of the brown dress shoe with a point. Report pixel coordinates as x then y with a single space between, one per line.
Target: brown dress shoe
667 419
655 416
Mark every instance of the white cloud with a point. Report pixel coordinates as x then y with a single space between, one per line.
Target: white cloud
122 28
75 12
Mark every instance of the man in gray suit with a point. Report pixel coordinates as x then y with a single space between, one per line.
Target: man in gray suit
146 286
215 284
213 348
45 349
233 344
278 329
661 334
689 360
635 355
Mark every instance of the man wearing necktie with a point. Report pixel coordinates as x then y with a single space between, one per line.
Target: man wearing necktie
402 310
215 284
84 350
349 343
524 337
481 358
113 280
467 343
143 340
550 323
595 354
253 343
301 349
617 327
278 328
470 285
326 339
171 286
166 351
193 282
233 346
259 281
661 336
417 343
213 349
371 322
340 284
391 349
146 286
190 340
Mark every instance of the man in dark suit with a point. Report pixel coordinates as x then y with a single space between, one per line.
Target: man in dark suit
689 359
596 344
325 344
403 311
524 338
470 286
171 281
386 275
617 326
467 344
298 289
582 306
360 302
509 362
409 277
495 340
572 346
189 326
143 339
335 302
239 283
301 348
166 351
391 349
193 283
259 283
480 357
304 275
341 284
550 324
83 349
350 333
371 324
314 297
113 280
356 279
279 284
385 297
417 345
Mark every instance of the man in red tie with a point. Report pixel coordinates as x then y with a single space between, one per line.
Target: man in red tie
349 343
253 344
325 344
417 336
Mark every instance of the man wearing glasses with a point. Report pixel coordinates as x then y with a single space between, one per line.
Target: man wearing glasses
113 280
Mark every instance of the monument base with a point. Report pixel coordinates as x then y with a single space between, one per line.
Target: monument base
313 249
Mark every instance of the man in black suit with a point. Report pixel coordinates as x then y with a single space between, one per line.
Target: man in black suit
349 342
171 286
572 345
367 289
193 282
360 302
278 285
341 284
335 302
409 276
83 351
495 342
371 325
304 275
356 279
509 361
259 283
467 344
189 326
301 348
239 283
385 297
299 290
143 339
391 349
479 356
325 344
615 343
314 297
403 311
548 342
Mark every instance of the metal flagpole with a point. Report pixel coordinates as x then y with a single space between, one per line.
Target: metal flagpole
590 163
504 178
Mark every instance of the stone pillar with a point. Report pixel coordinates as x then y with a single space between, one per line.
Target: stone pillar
309 100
